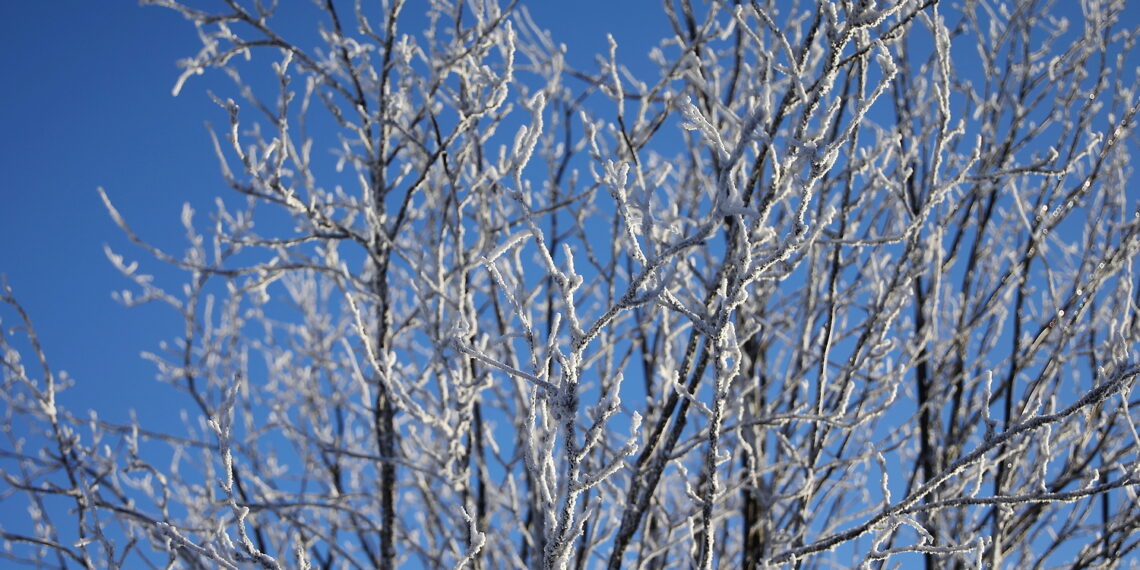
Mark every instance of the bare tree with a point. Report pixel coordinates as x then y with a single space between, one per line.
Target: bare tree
841 283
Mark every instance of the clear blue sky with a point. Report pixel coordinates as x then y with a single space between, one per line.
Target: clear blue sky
86 104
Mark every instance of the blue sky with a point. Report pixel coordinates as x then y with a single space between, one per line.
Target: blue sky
88 104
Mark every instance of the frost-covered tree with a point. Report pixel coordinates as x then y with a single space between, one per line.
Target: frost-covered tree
837 283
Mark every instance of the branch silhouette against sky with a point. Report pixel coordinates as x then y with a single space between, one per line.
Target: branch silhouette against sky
483 284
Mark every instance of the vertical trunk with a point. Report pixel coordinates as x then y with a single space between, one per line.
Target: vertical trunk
384 413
